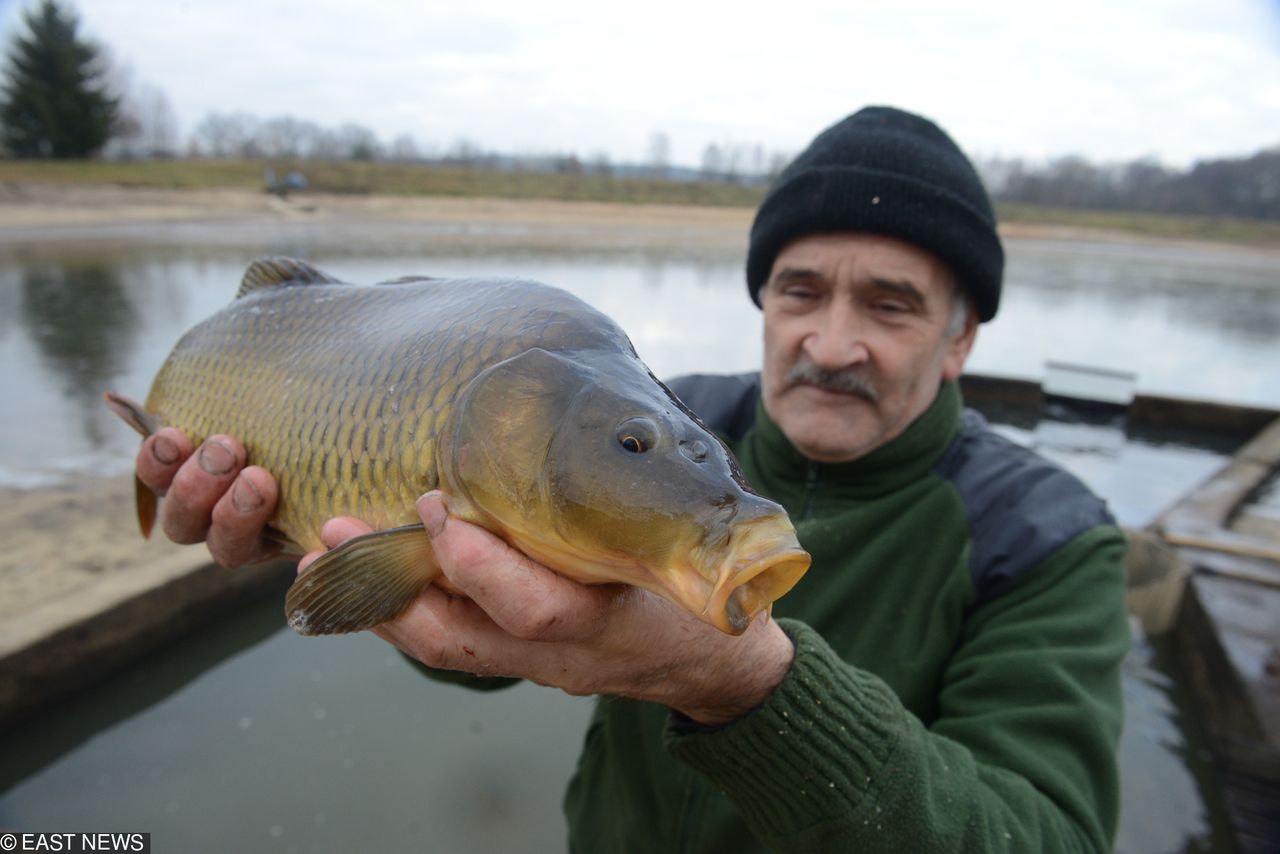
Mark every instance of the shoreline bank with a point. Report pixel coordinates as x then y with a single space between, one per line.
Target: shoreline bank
32 214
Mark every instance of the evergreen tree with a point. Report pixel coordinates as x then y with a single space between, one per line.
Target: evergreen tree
53 102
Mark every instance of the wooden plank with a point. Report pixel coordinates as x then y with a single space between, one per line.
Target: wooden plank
57 652
1146 411
1158 410
1212 505
1227 636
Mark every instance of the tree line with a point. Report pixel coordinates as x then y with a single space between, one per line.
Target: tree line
62 98
1242 186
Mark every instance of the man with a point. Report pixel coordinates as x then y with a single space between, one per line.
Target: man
945 678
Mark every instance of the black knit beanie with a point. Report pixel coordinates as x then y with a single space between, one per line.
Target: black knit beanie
885 171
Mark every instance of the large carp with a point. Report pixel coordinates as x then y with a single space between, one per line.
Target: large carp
524 404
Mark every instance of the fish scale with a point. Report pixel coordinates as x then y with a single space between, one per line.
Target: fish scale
520 400
298 356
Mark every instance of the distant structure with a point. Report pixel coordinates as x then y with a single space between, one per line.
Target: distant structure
294 181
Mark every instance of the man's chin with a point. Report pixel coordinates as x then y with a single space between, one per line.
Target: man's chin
831 434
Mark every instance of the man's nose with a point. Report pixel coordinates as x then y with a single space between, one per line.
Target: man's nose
837 341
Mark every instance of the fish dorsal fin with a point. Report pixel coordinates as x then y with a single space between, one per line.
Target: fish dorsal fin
281 272
410 280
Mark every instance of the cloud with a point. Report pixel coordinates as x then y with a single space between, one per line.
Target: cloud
1174 78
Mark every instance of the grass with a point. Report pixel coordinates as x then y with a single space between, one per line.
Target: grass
384 179
434 180
1168 226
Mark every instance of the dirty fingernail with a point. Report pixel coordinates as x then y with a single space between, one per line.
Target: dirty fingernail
216 458
164 450
245 495
434 514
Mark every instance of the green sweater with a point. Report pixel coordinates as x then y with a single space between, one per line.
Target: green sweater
956 684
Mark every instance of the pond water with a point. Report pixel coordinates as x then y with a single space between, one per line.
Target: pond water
246 737
1187 322
261 740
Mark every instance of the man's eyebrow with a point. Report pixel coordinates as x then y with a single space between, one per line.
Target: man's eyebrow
795 274
902 288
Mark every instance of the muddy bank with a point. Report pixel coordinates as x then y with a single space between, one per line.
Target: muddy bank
34 214
81 591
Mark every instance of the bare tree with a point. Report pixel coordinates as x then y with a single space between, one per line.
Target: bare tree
659 154
227 134
732 161
600 164
159 125
327 145
358 142
712 162
281 136
404 149
463 151
778 161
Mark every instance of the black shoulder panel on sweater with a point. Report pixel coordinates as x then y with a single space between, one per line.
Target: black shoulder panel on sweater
1021 507
726 403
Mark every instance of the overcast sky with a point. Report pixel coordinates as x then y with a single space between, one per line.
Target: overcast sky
1109 79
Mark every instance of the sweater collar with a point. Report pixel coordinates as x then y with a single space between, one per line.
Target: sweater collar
902 460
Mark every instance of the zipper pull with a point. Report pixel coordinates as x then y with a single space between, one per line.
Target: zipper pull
812 477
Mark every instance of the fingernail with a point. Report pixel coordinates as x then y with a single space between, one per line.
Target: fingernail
164 450
216 458
434 513
245 495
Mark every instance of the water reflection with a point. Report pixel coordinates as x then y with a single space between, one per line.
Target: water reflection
10 299
1196 323
84 328
1168 799
1225 294
1188 321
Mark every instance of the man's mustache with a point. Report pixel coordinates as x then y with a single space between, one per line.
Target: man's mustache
843 380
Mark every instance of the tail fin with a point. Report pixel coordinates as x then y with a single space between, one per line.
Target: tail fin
145 423
132 413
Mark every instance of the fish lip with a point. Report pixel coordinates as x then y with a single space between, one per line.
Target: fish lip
761 563
736 601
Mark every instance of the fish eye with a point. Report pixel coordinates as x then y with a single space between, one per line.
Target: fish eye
637 435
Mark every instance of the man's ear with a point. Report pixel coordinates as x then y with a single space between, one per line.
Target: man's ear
959 347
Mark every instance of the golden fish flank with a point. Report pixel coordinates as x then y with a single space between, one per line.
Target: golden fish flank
527 406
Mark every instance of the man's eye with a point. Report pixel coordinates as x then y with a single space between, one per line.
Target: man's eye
798 293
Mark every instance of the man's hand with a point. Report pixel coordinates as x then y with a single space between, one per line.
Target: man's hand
510 616
210 495
515 617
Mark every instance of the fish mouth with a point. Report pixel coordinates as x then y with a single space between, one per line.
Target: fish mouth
759 562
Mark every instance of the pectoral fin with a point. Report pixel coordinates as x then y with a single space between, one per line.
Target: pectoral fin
146 503
362 583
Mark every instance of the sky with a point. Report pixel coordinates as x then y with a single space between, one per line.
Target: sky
1111 80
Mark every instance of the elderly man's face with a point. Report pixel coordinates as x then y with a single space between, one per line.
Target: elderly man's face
856 341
